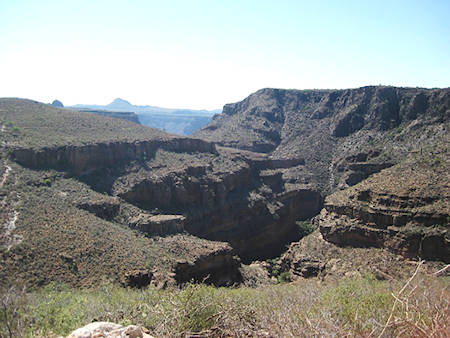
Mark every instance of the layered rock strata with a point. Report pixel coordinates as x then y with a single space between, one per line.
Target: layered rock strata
252 209
343 136
82 159
405 208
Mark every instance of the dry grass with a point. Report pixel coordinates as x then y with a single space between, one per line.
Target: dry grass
361 307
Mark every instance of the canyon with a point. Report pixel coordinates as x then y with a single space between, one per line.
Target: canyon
369 166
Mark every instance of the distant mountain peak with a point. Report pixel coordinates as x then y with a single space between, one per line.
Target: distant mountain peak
57 103
120 104
121 101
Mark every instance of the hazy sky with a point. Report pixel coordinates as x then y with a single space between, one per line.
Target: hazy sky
203 54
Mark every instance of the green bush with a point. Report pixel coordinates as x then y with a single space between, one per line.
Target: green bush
306 227
352 307
284 277
356 302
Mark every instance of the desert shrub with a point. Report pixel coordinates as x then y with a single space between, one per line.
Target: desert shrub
12 306
306 228
360 306
194 309
284 277
273 267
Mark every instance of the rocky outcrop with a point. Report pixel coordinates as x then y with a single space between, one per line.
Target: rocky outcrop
220 268
137 278
357 167
158 225
82 159
252 209
107 209
405 208
314 257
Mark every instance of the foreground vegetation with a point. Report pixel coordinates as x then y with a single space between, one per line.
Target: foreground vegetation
363 306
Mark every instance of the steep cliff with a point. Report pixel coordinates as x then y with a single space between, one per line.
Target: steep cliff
343 135
229 196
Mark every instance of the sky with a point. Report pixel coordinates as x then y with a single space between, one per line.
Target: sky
202 54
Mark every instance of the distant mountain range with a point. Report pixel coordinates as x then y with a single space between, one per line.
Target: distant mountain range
177 121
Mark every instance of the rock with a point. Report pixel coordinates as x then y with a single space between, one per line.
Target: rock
106 208
301 264
313 257
108 330
256 274
87 158
220 267
158 225
244 204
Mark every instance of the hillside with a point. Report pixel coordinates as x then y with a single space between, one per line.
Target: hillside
68 178
342 135
56 228
30 124
87 197
405 208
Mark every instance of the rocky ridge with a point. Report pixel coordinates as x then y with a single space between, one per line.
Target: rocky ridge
342 135
346 136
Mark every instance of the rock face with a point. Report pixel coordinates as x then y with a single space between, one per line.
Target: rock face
313 256
137 278
82 159
405 208
158 225
106 209
345 136
342 135
232 199
220 268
